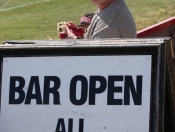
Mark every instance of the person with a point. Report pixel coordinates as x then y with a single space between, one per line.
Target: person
113 19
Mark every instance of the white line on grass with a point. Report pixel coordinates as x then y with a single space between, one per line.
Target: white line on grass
22 5
4 4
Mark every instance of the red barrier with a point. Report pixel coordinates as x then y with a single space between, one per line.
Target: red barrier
155 28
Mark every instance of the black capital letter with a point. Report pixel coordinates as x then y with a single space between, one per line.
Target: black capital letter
18 89
112 89
93 90
61 125
84 90
34 82
136 92
70 125
81 125
53 90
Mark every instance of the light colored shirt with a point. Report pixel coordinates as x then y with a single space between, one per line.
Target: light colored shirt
115 21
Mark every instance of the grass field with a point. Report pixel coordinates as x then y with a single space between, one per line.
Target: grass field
37 19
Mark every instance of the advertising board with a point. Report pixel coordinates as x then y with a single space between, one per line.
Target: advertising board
83 86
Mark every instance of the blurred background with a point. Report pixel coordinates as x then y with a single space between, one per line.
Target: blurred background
37 19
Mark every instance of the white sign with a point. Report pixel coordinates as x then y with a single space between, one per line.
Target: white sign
76 94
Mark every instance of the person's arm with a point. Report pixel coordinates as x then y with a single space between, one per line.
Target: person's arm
70 35
103 27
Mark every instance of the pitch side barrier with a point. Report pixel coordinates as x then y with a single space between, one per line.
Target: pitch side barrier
106 85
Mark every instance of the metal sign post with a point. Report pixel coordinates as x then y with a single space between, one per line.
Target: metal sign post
84 86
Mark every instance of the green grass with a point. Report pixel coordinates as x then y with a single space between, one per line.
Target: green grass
37 21
149 12
13 3
2 3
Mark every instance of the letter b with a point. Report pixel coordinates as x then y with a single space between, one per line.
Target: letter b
18 89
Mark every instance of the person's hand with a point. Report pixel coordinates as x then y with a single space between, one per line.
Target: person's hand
71 31
69 34
49 38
